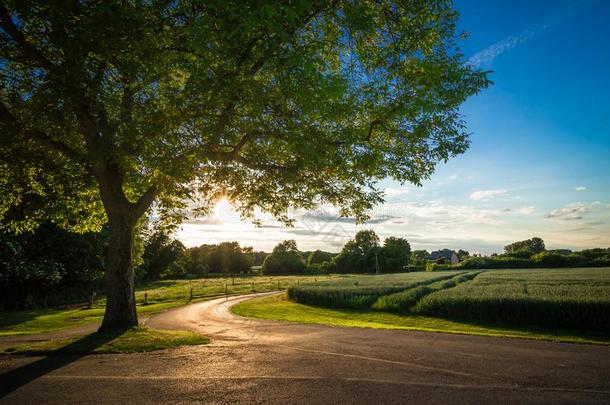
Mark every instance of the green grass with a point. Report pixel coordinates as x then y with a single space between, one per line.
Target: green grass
281 309
161 295
361 291
132 341
564 298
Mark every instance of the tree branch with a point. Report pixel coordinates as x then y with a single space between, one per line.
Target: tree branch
372 126
36 135
145 200
28 50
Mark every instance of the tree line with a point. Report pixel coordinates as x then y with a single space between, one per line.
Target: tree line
52 266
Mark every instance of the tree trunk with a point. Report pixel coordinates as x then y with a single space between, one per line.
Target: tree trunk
120 297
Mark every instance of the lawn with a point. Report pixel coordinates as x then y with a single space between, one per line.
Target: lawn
160 295
279 308
132 341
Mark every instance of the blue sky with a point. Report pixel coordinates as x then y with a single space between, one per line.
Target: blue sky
539 163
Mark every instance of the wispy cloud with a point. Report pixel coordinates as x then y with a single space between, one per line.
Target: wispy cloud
395 192
573 211
525 210
581 188
484 195
486 56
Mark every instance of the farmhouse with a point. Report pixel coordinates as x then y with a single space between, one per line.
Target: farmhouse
444 256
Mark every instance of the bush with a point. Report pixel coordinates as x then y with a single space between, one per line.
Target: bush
496 262
548 259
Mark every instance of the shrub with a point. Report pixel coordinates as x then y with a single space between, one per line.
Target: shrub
548 259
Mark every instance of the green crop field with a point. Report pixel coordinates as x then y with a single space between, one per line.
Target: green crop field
361 291
556 298
563 298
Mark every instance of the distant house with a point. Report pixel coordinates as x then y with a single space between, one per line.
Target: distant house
444 256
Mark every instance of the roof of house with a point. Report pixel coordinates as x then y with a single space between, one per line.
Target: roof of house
441 254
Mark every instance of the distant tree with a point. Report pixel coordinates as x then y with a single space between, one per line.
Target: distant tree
358 254
531 246
395 254
228 257
284 259
163 257
111 108
318 256
258 257
419 257
463 254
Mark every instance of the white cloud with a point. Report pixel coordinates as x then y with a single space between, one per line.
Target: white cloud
525 210
573 211
581 188
394 192
484 195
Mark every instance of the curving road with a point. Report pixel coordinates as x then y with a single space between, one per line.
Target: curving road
255 361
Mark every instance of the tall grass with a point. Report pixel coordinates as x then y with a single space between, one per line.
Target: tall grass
402 301
361 291
563 298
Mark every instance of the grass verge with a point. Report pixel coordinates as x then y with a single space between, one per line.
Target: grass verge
135 340
160 296
278 307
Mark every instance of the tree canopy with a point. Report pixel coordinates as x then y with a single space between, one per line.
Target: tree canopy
273 105
112 108
284 259
358 254
395 254
529 246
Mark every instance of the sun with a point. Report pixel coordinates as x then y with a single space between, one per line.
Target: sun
225 212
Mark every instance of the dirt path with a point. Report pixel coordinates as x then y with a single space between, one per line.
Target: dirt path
255 361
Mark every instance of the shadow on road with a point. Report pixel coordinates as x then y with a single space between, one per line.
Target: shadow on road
14 379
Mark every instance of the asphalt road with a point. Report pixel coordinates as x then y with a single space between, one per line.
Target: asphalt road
253 361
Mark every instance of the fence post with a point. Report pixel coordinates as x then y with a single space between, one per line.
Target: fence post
278 285
145 298
191 295
226 292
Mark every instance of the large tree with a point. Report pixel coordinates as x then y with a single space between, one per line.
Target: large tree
359 255
528 246
395 254
111 109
